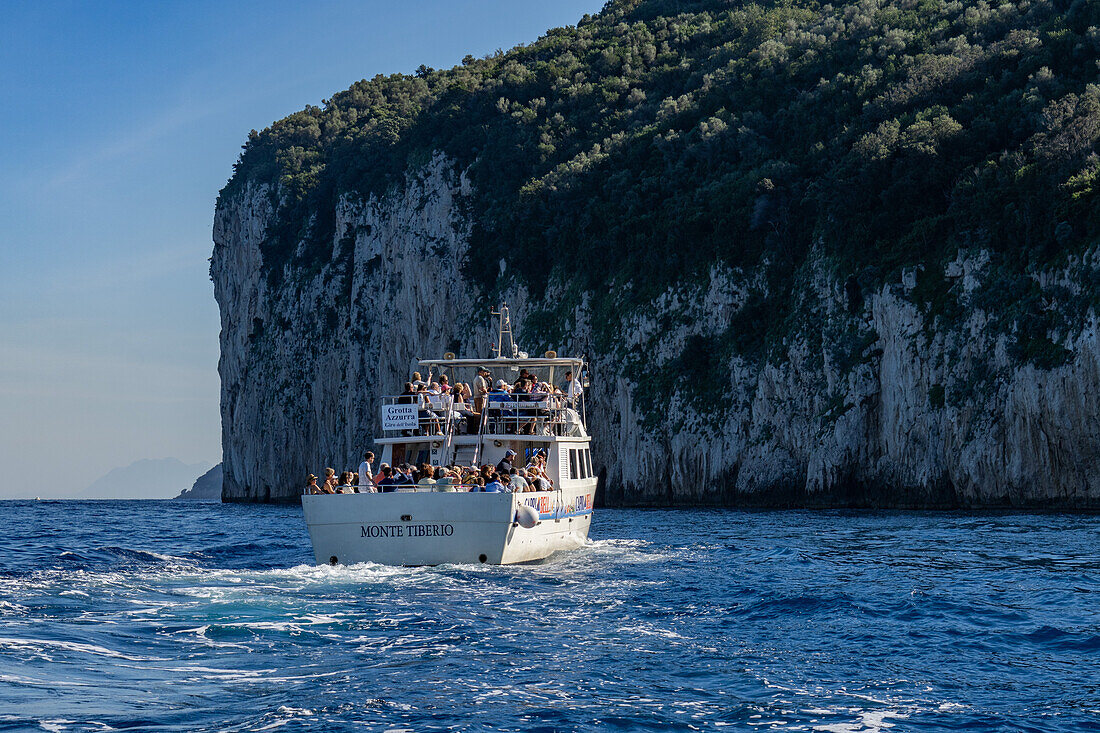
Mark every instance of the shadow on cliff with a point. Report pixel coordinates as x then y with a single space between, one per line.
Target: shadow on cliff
848 494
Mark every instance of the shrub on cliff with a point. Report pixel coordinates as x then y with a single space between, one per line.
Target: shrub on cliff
661 136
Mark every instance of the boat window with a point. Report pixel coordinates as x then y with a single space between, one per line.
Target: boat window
588 460
584 466
572 464
414 453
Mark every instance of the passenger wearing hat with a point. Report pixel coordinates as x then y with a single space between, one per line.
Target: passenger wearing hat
481 389
495 405
504 468
311 485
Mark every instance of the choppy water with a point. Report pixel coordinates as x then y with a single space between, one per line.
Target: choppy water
163 616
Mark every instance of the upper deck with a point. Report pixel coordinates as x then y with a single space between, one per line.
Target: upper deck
541 397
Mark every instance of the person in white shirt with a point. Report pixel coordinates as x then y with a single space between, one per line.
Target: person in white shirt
516 481
572 388
366 475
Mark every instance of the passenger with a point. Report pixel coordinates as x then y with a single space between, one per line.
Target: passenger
572 389
538 481
540 396
463 411
481 389
407 397
311 485
366 474
404 474
516 481
494 486
379 476
344 487
537 455
426 482
496 398
388 482
444 480
329 487
417 382
506 464
429 421
439 400
444 384
526 413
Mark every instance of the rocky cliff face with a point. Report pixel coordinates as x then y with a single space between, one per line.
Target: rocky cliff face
870 399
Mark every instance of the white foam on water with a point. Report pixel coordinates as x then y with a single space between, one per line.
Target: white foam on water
55 725
870 721
947 707
32 682
39 645
645 631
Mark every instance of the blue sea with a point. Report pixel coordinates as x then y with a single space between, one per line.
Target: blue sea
169 616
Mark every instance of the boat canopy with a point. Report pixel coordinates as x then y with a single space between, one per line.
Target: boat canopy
535 361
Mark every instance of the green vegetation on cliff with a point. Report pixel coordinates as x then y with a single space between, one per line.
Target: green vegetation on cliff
659 137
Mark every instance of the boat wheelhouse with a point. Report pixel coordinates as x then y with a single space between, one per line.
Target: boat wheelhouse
415 524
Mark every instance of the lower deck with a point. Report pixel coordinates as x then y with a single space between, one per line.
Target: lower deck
568 460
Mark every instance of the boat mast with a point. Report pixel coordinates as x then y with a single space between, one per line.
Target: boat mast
504 326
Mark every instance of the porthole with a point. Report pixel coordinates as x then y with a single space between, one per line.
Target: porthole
483 557
333 560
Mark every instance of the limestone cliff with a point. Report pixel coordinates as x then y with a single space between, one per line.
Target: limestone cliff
869 400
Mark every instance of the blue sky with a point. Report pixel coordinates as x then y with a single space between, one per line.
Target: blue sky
119 124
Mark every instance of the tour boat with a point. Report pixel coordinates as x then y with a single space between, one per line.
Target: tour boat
420 525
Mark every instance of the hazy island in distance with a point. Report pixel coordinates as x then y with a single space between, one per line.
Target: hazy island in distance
207 487
149 478
818 255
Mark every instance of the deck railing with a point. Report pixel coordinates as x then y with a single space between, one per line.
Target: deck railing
419 488
436 415
401 488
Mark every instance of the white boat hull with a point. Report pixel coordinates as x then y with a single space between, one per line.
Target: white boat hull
433 528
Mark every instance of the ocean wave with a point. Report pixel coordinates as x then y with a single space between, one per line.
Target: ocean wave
665 620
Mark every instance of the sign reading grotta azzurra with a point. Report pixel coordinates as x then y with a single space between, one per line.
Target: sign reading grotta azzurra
399 417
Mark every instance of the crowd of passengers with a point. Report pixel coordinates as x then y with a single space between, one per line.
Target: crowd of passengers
505 476
436 398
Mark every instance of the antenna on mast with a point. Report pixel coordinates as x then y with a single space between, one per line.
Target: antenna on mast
504 326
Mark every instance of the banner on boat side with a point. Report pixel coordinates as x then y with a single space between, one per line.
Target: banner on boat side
512 406
399 417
